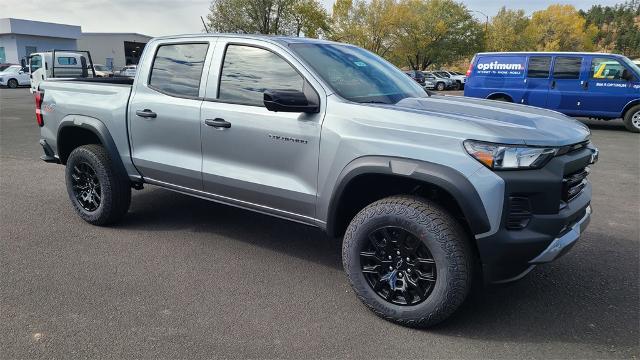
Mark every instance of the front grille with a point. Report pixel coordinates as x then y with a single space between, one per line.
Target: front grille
573 184
519 213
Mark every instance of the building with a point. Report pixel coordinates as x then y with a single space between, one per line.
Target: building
114 50
19 38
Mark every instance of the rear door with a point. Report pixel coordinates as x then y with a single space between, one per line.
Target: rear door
260 159
608 92
538 81
164 113
566 92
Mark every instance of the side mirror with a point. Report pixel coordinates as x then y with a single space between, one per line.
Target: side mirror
289 101
23 62
627 75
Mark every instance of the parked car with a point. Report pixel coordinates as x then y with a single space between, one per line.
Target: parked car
430 192
441 82
129 71
102 71
14 76
418 76
595 85
637 62
68 64
459 79
4 66
429 84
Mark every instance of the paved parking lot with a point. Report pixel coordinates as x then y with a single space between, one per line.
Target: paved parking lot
184 278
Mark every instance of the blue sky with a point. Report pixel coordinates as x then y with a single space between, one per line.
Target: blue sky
166 17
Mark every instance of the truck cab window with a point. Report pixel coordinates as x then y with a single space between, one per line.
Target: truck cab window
67 61
248 71
35 63
606 69
177 69
539 67
567 67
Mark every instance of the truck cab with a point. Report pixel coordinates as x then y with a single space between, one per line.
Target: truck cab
68 64
595 85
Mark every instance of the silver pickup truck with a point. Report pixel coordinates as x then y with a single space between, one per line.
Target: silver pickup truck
428 192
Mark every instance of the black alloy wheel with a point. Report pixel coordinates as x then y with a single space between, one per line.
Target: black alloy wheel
398 266
12 83
86 186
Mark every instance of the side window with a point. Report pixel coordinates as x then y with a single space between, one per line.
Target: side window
177 69
248 71
539 67
567 67
67 61
606 69
35 63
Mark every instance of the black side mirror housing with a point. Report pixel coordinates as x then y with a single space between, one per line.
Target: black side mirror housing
23 62
306 101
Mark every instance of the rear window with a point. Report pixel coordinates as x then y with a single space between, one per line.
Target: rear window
539 67
567 67
66 60
177 69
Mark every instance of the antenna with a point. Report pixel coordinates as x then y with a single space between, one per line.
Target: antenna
205 25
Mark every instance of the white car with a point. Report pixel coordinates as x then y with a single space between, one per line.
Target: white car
14 76
129 71
459 78
102 71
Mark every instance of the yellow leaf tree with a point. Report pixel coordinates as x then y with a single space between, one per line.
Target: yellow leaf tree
561 28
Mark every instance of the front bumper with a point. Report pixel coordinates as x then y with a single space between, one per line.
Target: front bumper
550 227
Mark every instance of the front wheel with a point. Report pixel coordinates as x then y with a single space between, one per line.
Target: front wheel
408 260
440 86
12 83
99 192
632 119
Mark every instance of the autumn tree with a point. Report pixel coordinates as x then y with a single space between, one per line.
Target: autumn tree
278 17
561 28
507 32
618 27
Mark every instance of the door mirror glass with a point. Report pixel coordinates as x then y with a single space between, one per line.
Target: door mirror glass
288 101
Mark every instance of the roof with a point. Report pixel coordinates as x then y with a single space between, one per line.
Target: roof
546 53
115 34
273 38
38 28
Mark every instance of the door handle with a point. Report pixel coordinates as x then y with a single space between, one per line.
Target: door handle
218 123
585 84
553 84
146 113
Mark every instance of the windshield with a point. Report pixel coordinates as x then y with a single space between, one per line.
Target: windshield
4 67
358 75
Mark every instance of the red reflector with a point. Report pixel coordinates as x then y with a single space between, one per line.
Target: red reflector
39 96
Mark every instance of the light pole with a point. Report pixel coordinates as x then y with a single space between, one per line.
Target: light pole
486 24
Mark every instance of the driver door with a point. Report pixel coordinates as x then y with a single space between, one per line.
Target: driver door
254 157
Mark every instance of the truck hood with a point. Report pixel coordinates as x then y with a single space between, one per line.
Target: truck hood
502 121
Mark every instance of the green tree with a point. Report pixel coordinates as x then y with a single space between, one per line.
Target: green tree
618 27
435 32
561 28
278 17
507 32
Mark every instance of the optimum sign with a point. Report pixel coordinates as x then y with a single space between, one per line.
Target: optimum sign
501 66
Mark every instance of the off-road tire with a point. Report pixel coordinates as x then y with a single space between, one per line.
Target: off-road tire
443 236
114 185
632 119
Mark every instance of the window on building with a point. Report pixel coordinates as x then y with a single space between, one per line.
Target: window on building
539 67
177 69
244 77
3 57
567 67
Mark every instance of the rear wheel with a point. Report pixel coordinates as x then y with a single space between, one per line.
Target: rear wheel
632 119
501 98
408 260
99 193
12 83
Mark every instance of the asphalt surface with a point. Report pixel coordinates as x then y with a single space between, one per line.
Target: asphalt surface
181 277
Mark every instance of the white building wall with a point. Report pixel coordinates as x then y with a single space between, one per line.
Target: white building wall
108 45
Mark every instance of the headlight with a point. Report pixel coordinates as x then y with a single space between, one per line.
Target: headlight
509 157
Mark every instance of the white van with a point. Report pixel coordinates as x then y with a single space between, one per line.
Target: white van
68 64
